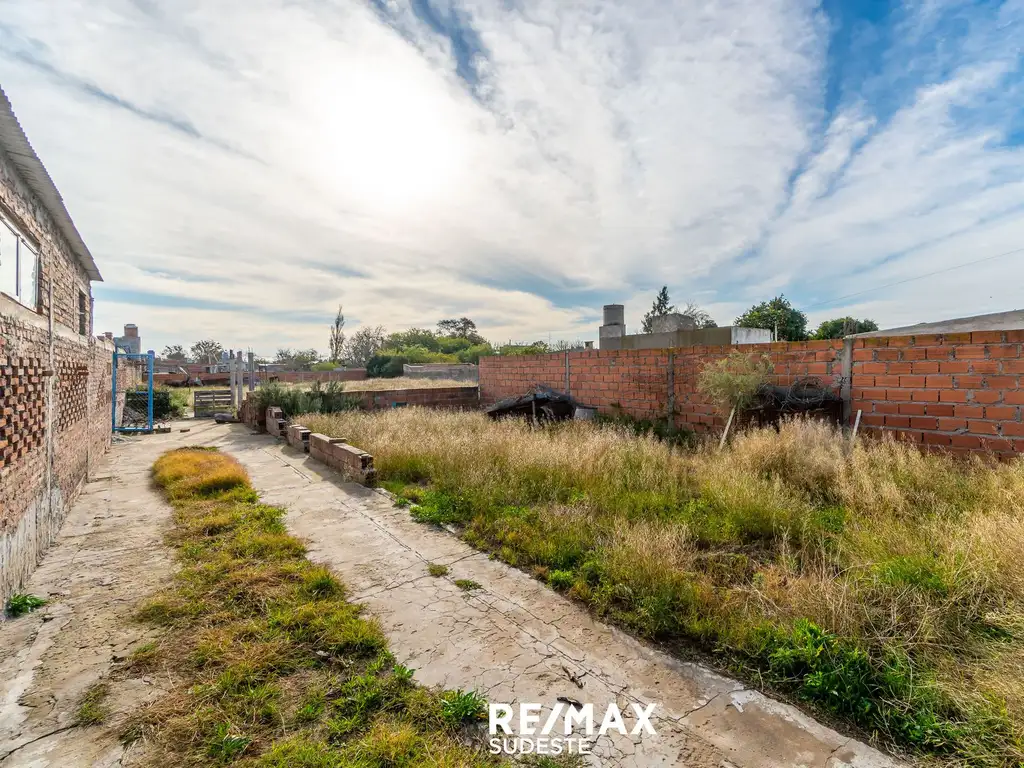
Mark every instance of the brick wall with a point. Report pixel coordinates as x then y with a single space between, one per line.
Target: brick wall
41 472
958 391
436 397
293 377
650 383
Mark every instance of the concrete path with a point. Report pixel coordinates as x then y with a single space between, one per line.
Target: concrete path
513 639
109 556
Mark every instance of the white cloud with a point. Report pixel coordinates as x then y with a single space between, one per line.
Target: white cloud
282 157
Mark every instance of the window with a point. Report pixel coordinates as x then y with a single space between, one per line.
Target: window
19 266
83 326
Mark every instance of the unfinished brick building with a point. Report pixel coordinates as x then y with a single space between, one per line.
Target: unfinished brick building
54 374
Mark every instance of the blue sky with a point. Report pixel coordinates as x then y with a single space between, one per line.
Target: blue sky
240 168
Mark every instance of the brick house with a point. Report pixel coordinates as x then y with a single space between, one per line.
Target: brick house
54 374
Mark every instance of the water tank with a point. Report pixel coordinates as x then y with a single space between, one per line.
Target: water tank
614 314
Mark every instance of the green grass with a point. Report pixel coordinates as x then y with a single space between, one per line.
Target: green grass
882 585
19 604
92 709
275 667
436 569
467 585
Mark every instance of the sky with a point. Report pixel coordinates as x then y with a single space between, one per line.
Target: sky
239 168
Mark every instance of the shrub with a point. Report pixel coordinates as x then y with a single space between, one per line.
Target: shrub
734 381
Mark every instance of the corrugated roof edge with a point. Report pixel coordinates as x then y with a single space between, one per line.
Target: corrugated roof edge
15 143
996 321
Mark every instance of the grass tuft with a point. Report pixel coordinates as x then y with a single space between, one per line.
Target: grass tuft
467 585
437 570
19 604
92 709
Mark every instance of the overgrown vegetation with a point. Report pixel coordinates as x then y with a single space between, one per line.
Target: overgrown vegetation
734 381
274 666
881 584
322 398
19 604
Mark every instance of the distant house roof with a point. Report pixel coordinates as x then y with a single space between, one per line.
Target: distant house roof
30 167
997 321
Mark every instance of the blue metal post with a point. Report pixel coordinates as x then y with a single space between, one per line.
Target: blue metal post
113 394
149 364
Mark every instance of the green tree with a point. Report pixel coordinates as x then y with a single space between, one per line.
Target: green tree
364 344
175 352
701 317
461 328
414 337
778 316
337 340
844 326
662 306
297 359
206 351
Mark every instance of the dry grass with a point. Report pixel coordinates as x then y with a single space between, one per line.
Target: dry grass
273 666
883 584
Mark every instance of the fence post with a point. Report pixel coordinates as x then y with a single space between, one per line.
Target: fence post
670 417
567 372
845 387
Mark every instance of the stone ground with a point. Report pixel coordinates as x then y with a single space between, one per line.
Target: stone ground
513 639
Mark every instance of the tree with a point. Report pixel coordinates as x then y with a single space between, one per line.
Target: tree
365 343
175 352
414 337
778 316
462 328
844 326
660 307
297 359
337 341
701 317
206 351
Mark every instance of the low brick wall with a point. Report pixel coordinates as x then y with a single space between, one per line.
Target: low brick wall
298 437
297 377
460 398
275 422
336 453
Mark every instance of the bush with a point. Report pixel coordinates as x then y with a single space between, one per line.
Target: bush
385 366
329 398
734 381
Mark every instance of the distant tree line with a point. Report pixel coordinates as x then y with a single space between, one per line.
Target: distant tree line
457 340
777 315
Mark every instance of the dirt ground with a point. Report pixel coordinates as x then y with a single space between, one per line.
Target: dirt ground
512 638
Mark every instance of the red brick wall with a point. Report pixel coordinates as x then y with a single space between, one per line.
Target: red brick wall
292 377
438 397
40 478
638 381
958 391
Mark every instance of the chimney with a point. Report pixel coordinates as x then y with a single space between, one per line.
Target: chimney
131 330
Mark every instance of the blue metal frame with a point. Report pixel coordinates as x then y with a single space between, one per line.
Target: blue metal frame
149 357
